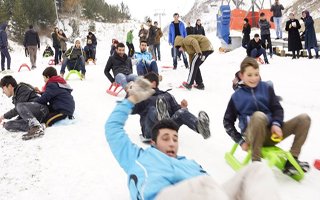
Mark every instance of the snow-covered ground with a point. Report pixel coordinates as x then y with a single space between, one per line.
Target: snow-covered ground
73 160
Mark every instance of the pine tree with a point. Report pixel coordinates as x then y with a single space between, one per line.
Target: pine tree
20 21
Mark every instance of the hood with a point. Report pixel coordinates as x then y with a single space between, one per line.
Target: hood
3 26
54 79
77 40
178 41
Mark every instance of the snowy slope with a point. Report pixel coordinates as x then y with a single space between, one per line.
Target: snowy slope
73 161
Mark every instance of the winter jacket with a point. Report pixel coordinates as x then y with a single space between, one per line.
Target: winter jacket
172 34
310 34
152 35
193 44
93 39
55 40
129 37
276 9
23 92
294 41
190 30
143 107
31 38
254 45
63 42
143 56
199 30
73 53
159 34
149 170
3 36
246 30
244 102
118 65
57 93
264 27
143 34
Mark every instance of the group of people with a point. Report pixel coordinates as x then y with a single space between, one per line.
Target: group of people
257 47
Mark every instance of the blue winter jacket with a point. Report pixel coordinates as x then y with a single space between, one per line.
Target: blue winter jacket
172 34
143 56
59 97
149 170
244 102
3 36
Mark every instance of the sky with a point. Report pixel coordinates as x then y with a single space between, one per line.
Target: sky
141 8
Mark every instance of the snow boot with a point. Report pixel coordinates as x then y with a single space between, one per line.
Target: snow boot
34 132
203 124
162 109
290 170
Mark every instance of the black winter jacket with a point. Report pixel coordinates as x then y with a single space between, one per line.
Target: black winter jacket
22 93
254 45
31 38
199 30
118 65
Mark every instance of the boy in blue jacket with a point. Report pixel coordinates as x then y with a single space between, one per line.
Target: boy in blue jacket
144 60
159 173
56 93
260 115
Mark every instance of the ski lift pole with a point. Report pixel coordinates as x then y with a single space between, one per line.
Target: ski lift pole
55 6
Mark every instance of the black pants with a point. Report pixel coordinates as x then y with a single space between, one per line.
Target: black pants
131 49
195 73
56 55
267 38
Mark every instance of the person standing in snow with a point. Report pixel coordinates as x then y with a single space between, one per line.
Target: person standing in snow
30 113
129 43
276 9
177 28
156 47
143 33
56 94
63 43
56 44
4 47
199 48
310 34
189 29
158 172
32 43
246 30
260 115
294 40
198 28
265 26
152 33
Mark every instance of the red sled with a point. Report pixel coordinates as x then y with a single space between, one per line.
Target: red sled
184 82
113 89
167 67
317 164
24 65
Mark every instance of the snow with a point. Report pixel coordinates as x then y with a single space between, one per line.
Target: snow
73 161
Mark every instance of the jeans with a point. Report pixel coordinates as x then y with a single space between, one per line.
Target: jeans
5 54
277 23
31 114
73 64
56 55
130 49
255 53
123 79
316 49
267 38
180 117
143 67
156 49
175 62
90 52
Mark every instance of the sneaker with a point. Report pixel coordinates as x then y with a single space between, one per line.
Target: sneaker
266 62
33 67
203 125
290 170
199 87
162 109
83 76
34 132
187 86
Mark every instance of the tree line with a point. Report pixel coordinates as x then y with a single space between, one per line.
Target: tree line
22 13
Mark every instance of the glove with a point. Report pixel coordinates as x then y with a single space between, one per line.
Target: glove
202 57
140 89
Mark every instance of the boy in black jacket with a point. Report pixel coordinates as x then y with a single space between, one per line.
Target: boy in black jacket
163 105
256 48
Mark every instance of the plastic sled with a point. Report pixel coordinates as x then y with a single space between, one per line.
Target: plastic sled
91 60
274 155
24 65
51 62
184 82
167 67
317 164
114 90
76 72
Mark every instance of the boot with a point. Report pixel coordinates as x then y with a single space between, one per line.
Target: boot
203 125
34 132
